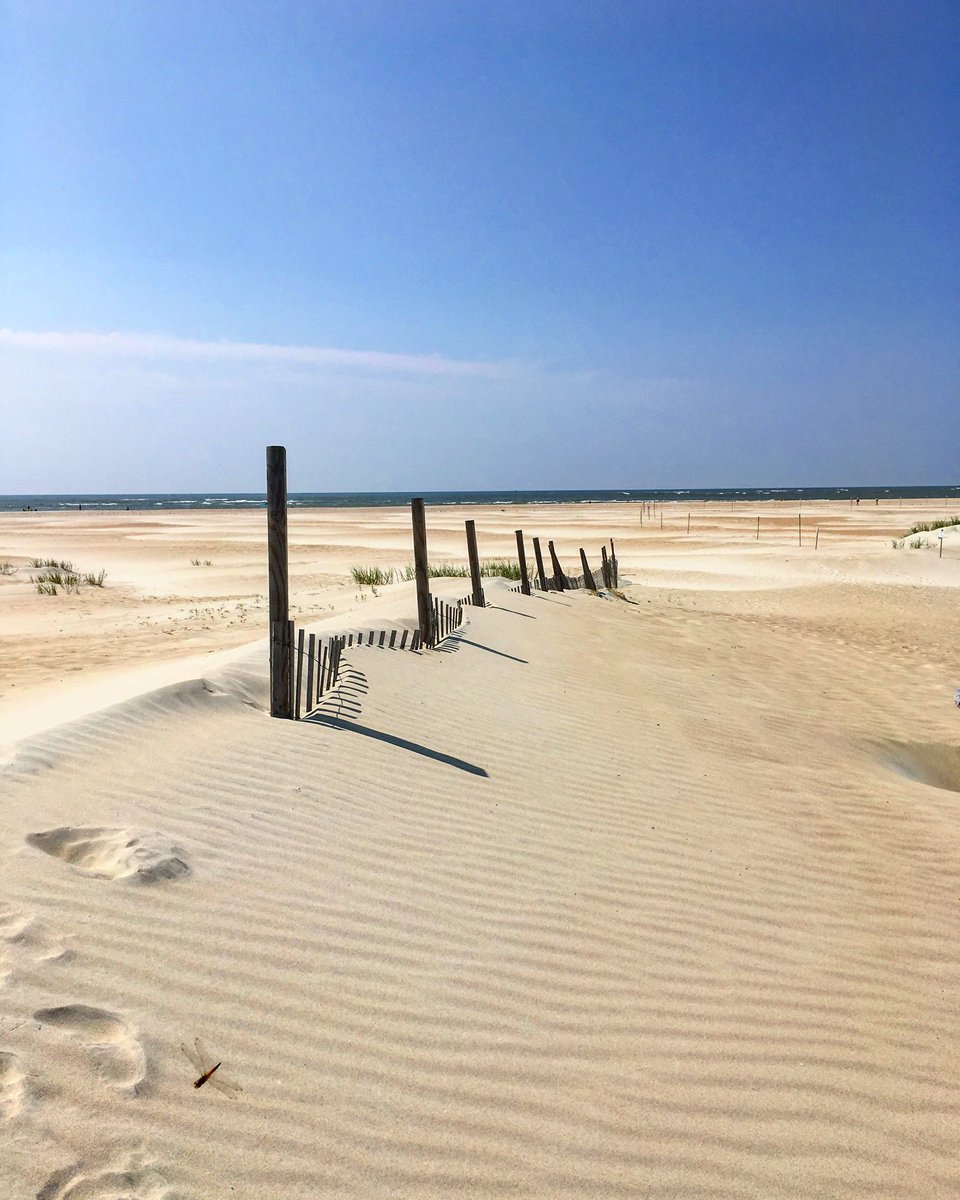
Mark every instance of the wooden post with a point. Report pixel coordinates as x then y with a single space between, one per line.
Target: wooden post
661 516
688 522
816 540
605 567
614 565
424 608
557 569
522 555
588 580
281 675
539 557
758 527
474 558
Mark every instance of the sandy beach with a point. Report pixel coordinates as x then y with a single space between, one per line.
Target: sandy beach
651 895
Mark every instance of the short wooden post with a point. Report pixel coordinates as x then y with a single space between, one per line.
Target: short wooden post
816 540
614 565
588 580
606 568
539 557
281 650
557 569
473 556
522 555
758 527
424 608
688 522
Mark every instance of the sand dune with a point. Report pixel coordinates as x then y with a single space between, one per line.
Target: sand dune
605 898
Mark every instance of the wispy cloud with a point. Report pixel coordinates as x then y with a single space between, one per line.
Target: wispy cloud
156 346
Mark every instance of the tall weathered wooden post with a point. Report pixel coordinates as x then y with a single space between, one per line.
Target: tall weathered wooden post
478 596
614 565
522 555
539 557
424 605
281 648
605 568
557 569
588 579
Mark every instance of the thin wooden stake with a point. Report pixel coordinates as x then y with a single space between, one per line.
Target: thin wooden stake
296 703
311 674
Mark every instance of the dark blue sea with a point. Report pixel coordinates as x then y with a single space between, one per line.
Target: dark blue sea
233 500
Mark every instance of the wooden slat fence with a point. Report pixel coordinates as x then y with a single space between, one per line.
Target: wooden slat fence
316 662
610 570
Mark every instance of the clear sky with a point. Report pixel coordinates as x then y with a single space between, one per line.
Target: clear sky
433 244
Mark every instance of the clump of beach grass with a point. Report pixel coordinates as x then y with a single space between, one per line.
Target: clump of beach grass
59 564
506 568
7 568
927 526
196 562
371 576
66 576
381 576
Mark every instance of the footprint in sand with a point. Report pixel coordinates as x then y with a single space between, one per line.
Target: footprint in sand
120 1179
112 1047
11 1086
23 937
114 853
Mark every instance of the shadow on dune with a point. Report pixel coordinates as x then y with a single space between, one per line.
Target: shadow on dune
320 718
451 644
339 708
500 608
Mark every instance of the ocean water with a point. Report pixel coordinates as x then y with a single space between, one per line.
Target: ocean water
230 500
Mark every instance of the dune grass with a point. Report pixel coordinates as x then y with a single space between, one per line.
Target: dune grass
59 564
927 526
381 576
66 576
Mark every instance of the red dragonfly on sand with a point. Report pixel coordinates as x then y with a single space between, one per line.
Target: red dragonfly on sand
208 1068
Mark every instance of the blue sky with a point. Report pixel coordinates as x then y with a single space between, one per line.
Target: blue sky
465 245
